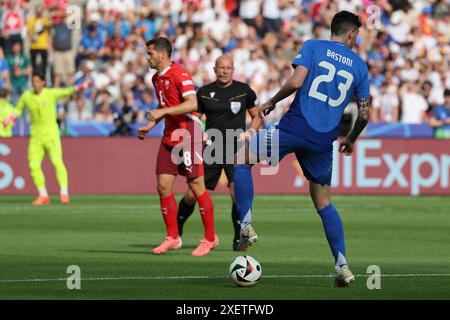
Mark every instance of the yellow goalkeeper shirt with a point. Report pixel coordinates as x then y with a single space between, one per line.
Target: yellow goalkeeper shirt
6 109
42 109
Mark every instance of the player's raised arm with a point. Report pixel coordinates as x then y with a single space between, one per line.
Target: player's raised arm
60 93
346 146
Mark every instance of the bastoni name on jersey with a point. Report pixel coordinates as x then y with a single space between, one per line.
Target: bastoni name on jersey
339 58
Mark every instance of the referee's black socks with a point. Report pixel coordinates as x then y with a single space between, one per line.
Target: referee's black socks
236 222
184 212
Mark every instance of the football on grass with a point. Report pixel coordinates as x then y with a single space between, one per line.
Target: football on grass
245 271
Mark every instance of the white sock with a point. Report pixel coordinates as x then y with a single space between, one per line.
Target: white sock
341 261
43 192
247 219
65 191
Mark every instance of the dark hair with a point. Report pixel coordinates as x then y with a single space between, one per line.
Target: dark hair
343 22
3 93
38 74
161 44
446 92
91 28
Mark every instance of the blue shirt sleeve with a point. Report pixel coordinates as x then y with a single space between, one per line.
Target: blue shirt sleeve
304 56
84 42
101 42
362 89
3 65
437 112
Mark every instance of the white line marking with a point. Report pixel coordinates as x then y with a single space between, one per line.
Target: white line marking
223 277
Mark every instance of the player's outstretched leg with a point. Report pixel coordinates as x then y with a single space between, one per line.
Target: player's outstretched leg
36 154
243 190
186 207
206 206
169 212
334 231
55 153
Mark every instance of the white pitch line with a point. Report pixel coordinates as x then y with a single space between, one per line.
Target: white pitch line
223 277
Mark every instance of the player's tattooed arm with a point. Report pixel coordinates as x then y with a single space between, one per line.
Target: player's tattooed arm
346 145
361 121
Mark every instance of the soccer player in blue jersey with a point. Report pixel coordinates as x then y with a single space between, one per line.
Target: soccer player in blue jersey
327 75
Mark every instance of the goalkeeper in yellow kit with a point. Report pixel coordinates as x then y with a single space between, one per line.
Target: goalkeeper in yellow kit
44 136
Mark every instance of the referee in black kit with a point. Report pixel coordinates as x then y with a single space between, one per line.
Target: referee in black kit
224 102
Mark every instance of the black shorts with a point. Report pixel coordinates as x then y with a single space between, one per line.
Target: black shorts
213 173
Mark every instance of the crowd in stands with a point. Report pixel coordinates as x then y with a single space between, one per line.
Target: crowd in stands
406 45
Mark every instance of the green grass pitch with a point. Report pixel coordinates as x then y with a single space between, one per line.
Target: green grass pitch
110 239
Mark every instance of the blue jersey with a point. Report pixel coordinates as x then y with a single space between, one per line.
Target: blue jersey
336 74
442 112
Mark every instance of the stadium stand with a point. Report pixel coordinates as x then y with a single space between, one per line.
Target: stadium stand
405 44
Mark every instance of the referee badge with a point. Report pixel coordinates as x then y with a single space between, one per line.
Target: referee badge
235 107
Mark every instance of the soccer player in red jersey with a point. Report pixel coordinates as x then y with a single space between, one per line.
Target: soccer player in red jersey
177 102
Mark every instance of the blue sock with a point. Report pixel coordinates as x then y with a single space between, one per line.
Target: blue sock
334 230
243 192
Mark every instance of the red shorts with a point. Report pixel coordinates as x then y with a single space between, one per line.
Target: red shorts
188 162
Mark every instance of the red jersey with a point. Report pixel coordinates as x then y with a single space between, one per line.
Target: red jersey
171 86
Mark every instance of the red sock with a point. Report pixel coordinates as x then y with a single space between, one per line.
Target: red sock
169 212
207 213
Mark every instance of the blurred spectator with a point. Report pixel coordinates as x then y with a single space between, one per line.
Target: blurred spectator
440 118
409 73
121 127
248 10
436 96
92 45
147 102
63 56
146 23
19 70
12 22
116 45
98 5
57 9
39 33
106 108
302 27
272 15
4 72
385 105
78 111
375 76
126 117
129 110
85 100
414 105
409 43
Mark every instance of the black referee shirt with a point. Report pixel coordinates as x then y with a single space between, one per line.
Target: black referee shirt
225 108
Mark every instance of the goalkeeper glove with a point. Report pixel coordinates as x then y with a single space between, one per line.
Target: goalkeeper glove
9 120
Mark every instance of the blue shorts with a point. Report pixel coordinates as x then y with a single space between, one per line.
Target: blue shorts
274 144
